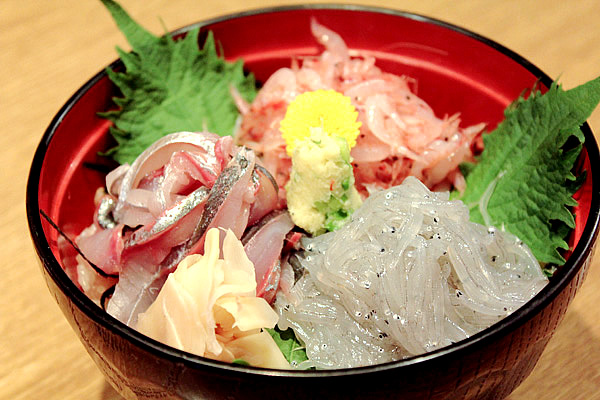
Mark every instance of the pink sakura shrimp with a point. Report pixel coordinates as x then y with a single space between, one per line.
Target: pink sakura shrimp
400 135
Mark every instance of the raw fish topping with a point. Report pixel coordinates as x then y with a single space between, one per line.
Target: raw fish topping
177 189
408 274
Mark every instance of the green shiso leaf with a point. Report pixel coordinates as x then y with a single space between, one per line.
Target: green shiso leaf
293 351
523 182
170 86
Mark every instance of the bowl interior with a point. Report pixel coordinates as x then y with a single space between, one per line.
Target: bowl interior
453 71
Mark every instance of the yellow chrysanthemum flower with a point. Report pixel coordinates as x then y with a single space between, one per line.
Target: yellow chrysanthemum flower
325 109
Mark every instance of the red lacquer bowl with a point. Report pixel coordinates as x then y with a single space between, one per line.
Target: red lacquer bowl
457 71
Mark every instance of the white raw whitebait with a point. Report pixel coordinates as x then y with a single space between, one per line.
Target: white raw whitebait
408 274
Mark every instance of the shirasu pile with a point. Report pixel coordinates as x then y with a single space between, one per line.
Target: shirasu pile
407 275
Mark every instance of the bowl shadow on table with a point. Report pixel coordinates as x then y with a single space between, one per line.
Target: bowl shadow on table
108 393
574 339
573 343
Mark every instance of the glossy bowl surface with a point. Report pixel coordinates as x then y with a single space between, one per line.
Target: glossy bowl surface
455 71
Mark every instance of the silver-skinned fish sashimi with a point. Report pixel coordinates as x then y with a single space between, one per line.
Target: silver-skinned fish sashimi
161 208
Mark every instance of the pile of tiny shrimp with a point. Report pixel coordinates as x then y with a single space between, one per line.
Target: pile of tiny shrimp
400 134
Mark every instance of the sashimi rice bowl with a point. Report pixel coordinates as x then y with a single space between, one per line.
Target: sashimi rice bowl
330 201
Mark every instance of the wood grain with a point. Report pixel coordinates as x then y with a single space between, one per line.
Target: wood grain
49 48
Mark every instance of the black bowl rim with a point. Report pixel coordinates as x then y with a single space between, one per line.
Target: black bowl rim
506 326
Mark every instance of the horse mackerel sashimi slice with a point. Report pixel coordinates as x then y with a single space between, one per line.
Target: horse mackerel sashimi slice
400 134
182 185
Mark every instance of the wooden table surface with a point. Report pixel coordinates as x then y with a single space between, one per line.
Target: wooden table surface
49 48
